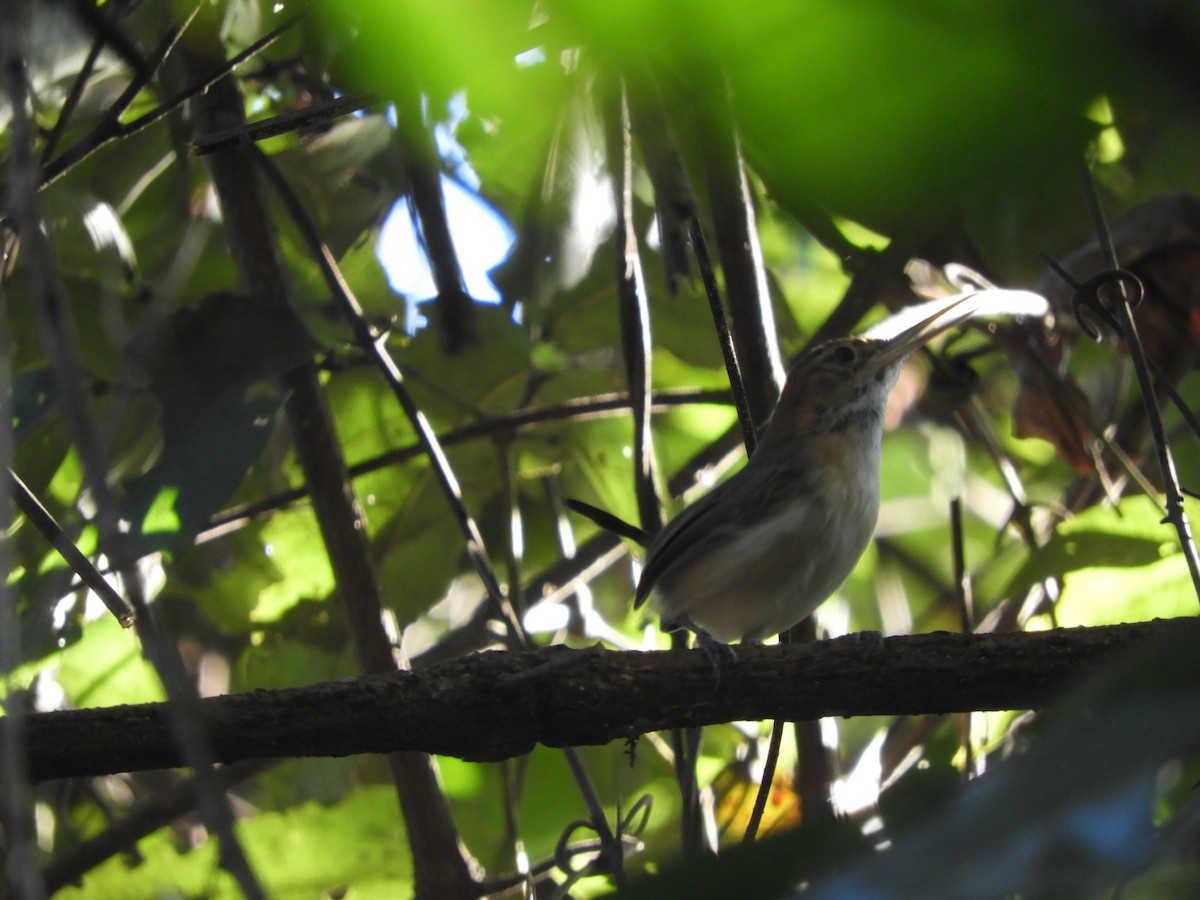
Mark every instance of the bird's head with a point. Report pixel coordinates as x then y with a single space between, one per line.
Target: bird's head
844 383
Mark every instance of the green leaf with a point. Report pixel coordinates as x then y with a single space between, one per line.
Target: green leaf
489 376
1103 595
105 668
1131 535
306 851
232 596
34 396
207 370
295 537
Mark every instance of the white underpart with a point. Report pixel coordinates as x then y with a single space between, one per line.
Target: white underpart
786 566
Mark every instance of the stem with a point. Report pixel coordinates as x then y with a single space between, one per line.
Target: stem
1176 514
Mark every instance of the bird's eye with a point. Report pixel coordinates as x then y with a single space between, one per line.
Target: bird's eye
844 355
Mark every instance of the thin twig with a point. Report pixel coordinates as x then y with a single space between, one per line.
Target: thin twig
962 598
816 764
73 98
1072 402
1165 385
580 410
962 578
674 200
92 15
713 293
111 129
20 853
513 551
292 120
145 819
453 307
512 789
634 314
736 229
44 522
610 846
878 278
770 763
375 345
972 420
1176 513
53 321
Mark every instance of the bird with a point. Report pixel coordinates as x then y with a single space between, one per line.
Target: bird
766 547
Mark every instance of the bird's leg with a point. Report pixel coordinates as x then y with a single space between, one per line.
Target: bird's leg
869 637
713 649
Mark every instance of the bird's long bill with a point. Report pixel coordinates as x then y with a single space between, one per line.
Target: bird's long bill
948 312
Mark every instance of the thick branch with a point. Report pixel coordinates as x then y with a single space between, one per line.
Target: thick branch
496 705
440 867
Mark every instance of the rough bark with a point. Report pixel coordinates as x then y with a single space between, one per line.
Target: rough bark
496 705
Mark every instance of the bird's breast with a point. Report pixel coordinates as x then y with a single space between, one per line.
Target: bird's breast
766 576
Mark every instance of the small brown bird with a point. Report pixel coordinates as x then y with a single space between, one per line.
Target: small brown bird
768 546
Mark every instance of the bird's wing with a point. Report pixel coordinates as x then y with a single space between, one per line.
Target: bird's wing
708 523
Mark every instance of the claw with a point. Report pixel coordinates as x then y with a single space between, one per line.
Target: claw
713 649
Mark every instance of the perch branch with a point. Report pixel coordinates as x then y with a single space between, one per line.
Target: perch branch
497 705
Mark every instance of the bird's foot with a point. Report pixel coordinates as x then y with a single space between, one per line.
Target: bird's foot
868 637
714 650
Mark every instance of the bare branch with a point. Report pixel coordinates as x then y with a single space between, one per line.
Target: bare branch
497 705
